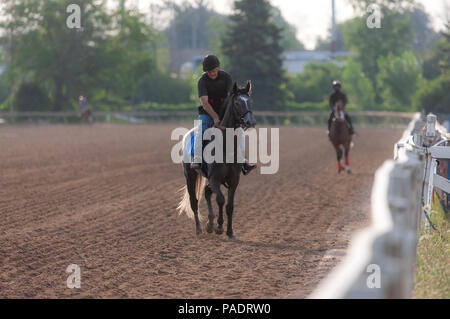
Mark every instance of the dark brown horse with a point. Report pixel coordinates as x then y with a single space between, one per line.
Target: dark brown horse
87 116
340 137
236 113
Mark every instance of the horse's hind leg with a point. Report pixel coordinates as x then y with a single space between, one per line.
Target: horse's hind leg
210 223
191 181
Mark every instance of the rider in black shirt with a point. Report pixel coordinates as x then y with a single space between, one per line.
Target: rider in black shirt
213 88
336 96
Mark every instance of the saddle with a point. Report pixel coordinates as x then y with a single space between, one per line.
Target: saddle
204 168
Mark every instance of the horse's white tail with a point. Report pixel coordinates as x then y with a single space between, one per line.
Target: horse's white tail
185 203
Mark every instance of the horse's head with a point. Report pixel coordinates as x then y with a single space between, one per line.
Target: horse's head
339 111
239 112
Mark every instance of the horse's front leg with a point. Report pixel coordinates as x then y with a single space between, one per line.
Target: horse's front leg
220 199
347 160
339 157
230 206
210 223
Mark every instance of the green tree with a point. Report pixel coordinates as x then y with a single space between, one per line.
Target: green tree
314 84
395 35
30 97
398 79
358 86
423 34
252 46
106 59
434 96
445 49
42 49
189 28
133 55
431 66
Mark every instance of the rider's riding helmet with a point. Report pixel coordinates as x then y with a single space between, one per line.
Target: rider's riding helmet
210 62
337 83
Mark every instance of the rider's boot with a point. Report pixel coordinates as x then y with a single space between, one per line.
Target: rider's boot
197 163
247 168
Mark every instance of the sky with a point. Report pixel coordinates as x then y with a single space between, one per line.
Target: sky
313 17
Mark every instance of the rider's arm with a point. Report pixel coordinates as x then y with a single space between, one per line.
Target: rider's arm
209 109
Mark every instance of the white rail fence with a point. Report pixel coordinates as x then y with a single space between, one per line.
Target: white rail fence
381 259
361 118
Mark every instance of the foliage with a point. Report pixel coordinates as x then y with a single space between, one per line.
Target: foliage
432 64
110 53
189 29
314 84
358 86
432 277
161 88
434 96
252 46
398 79
43 50
30 97
371 44
423 34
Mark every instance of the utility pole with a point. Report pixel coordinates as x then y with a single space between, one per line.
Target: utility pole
333 47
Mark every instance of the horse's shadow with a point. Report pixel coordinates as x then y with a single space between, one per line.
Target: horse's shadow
320 252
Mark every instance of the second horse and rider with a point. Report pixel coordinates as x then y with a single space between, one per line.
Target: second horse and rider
215 85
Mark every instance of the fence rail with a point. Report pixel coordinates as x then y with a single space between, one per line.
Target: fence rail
361 118
381 259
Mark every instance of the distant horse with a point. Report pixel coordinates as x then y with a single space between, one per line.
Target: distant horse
340 137
236 112
87 116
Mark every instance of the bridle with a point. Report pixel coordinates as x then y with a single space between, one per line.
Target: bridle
241 117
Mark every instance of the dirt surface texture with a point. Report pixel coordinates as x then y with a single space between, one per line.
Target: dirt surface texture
104 197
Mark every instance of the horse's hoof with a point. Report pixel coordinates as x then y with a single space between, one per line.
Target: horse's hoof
219 230
231 237
349 171
199 231
209 227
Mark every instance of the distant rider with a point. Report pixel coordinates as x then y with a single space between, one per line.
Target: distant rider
213 88
336 96
82 102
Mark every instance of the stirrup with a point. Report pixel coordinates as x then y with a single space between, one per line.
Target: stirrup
247 168
196 165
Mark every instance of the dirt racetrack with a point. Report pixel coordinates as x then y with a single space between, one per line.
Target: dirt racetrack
104 198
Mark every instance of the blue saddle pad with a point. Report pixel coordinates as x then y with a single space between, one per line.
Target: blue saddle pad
191 152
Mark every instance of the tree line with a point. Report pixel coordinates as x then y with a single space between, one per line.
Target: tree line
119 59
